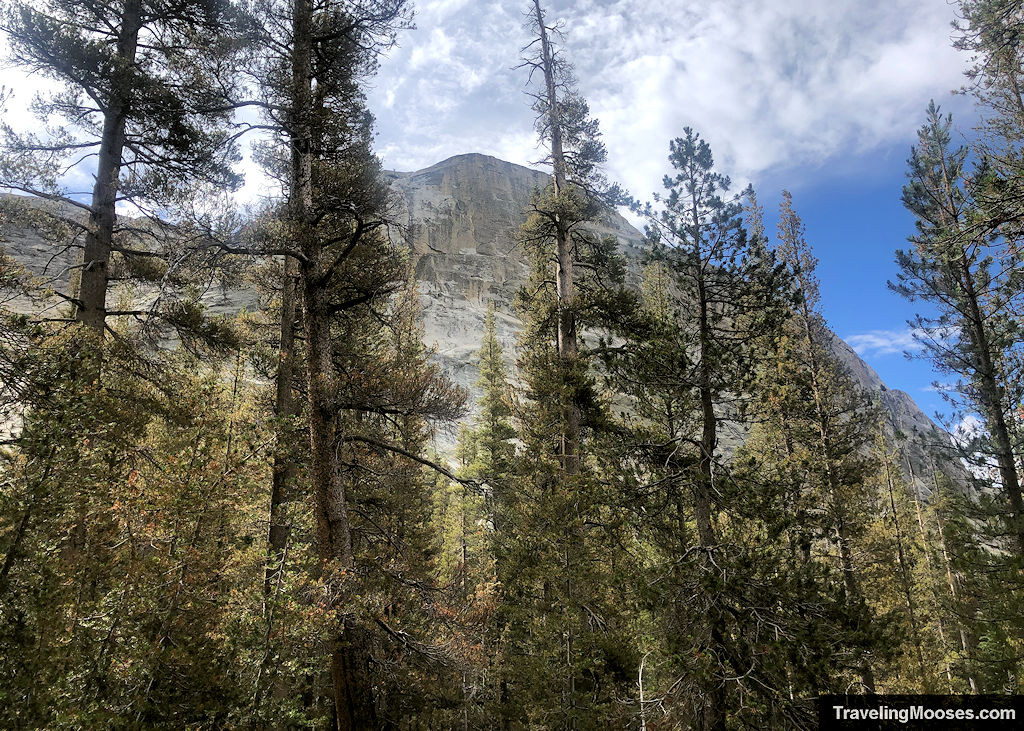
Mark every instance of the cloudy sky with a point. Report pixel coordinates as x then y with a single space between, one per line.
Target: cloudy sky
822 98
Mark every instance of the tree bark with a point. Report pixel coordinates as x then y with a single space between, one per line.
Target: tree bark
352 690
850 582
993 403
907 583
284 409
91 309
992 400
568 348
703 497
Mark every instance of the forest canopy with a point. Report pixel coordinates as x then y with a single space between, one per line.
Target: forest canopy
670 502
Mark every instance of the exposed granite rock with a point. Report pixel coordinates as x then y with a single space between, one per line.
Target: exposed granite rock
461 216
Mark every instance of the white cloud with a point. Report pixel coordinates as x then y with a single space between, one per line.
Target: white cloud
883 342
772 85
968 428
964 433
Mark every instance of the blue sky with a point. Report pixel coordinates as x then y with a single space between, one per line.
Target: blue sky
821 98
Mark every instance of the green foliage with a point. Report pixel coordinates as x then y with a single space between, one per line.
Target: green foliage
119 530
680 512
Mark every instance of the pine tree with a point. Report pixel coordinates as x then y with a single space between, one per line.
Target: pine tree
975 337
113 598
286 410
127 496
840 415
564 659
560 213
991 31
485 452
493 433
727 302
335 228
146 94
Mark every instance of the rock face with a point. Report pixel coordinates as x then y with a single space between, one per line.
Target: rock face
461 217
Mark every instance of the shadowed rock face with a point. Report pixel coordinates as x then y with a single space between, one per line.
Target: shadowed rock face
461 216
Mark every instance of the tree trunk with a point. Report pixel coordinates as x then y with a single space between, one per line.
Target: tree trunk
992 399
993 403
850 582
907 583
352 690
91 309
703 496
284 409
567 342
926 545
350 673
967 643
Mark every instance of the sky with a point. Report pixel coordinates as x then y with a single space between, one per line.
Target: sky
820 98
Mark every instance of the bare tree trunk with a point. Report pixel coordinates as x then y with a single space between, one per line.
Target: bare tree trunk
718 694
850 582
923 533
350 675
567 339
91 308
330 506
284 409
966 643
906 581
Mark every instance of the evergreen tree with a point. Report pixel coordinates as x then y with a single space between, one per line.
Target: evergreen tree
991 31
897 579
975 336
840 419
145 94
565 660
114 597
727 298
485 453
493 435
333 227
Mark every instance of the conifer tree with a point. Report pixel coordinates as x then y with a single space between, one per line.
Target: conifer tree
575 151
486 449
335 227
975 336
494 433
899 589
727 302
113 599
837 416
145 97
286 410
991 31
561 664
485 453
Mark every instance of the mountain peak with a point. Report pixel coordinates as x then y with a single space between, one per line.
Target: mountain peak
471 160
